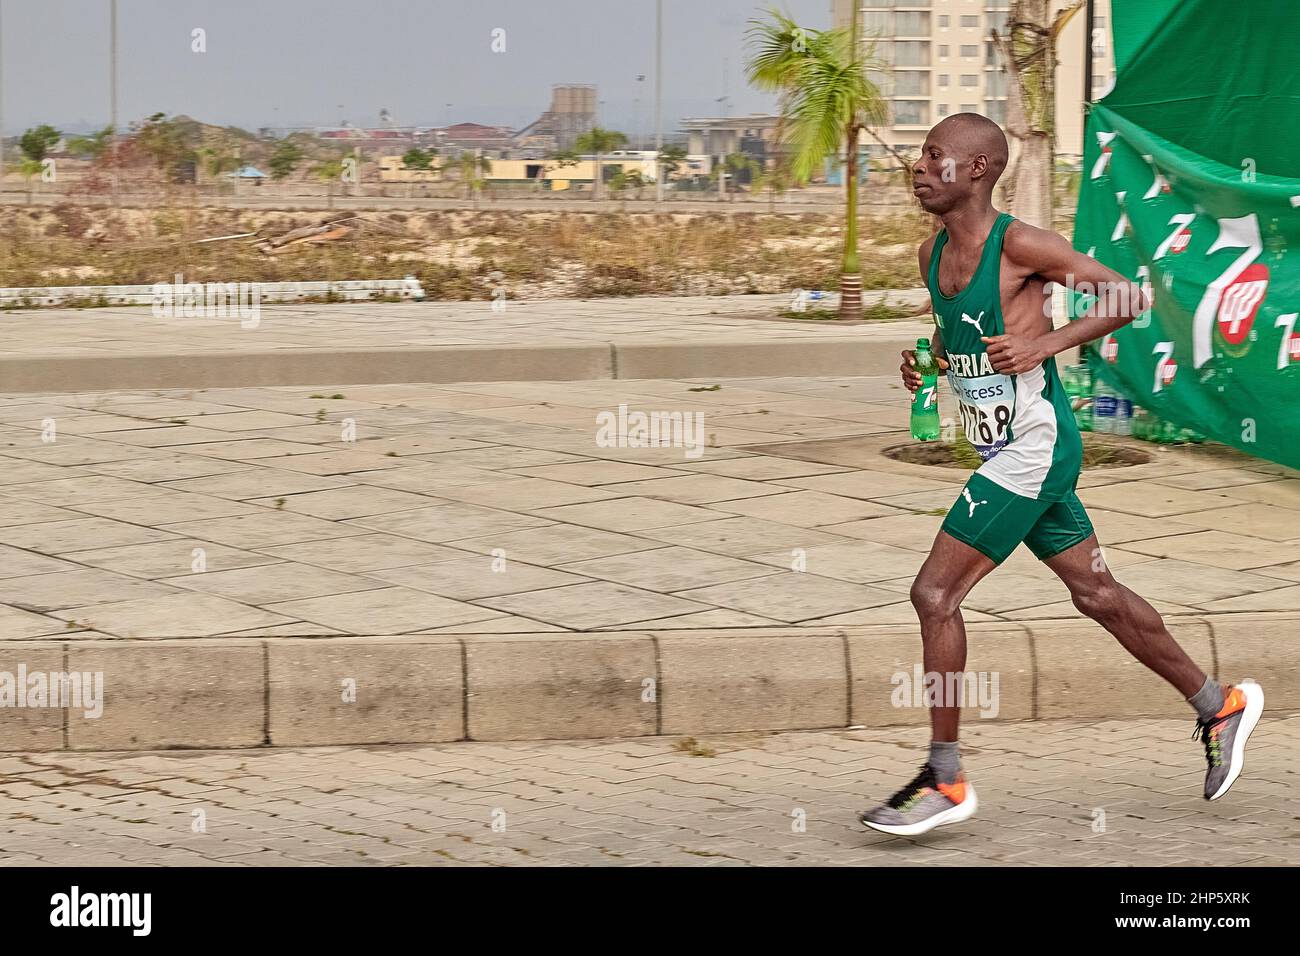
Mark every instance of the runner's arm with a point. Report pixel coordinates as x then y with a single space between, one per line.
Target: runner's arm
910 378
1119 302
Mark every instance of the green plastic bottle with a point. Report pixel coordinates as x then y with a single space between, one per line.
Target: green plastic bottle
925 403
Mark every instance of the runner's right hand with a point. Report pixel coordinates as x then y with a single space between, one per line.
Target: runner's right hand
911 380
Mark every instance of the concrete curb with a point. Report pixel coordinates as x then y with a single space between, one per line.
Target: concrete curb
442 365
235 693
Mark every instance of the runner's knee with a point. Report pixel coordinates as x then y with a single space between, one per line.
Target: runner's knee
933 599
1096 598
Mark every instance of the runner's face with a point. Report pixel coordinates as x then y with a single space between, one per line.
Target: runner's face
937 175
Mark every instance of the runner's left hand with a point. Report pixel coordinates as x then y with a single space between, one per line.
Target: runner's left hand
1013 354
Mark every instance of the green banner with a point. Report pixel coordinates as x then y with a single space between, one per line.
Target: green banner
1191 187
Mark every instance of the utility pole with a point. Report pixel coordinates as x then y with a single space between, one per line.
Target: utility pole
659 120
1087 58
1089 15
112 95
2 98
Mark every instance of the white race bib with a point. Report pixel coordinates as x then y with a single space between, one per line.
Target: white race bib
986 405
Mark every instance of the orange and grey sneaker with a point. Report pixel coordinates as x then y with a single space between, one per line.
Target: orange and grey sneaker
923 805
1225 736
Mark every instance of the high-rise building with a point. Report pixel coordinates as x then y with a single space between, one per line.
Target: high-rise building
938 58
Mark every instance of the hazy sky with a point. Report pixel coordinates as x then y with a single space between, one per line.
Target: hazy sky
303 63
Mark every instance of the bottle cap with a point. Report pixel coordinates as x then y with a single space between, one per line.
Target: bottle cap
922 343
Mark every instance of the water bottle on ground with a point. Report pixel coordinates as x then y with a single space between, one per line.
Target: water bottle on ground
1104 404
1142 423
1078 389
1123 416
925 402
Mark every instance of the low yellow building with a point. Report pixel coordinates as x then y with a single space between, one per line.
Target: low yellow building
559 176
391 170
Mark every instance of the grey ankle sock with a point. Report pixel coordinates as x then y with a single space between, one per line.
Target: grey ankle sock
945 760
1208 701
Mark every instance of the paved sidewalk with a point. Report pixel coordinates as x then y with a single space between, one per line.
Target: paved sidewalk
1051 793
243 512
342 326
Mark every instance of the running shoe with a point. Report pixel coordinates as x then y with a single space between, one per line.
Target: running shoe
923 805
1225 736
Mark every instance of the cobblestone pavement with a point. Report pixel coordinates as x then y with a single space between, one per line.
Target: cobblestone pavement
259 512
1051 792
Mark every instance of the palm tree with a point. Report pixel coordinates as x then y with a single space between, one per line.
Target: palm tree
670 160
737 164
329 171
29 167
597 141
826 103
474 169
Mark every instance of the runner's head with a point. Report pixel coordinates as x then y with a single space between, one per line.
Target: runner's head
962 157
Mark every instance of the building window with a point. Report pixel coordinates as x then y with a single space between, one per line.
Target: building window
970 79
998 21
943 110
970 49
911 53
875 23
943 22
911 113
911 24
943 50
943 80
969 22
969 108
996 110
911 83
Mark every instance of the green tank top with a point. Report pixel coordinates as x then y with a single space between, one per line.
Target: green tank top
1021 425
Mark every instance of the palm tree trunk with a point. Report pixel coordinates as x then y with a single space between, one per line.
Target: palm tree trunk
1030 54
850 268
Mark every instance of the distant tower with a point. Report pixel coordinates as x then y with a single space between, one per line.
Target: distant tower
573 112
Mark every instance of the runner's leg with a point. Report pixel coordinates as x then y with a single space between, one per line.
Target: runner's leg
947 576
1122 612
1226 714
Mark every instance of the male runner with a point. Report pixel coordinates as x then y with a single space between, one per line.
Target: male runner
987 274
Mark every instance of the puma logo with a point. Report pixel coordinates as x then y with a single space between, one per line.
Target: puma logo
974 322
965 493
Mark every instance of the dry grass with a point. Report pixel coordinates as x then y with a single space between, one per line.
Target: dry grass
462 254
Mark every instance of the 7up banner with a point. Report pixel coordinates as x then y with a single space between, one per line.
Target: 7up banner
1191 187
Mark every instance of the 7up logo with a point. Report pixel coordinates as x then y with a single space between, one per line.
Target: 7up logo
1166 367
1246 279
1290 348
1239 305
1110 348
